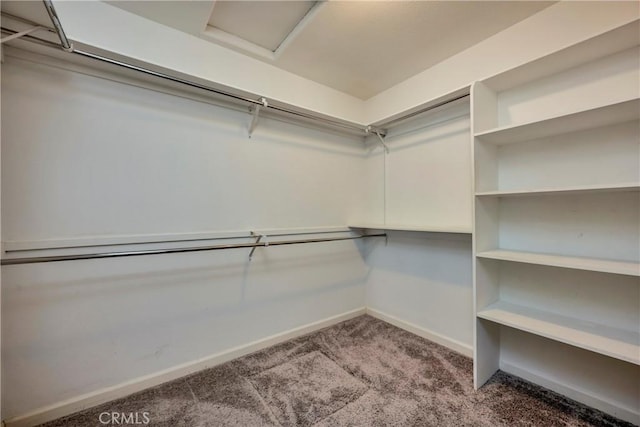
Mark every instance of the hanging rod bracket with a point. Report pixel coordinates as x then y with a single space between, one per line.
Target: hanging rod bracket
256 115
66 45
380 136
258 238
53 15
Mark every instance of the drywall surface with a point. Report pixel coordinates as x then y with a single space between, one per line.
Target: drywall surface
87 159
101 25
424 279
552 29
428 171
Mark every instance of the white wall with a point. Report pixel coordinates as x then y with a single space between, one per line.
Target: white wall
424 280
428 173
85 158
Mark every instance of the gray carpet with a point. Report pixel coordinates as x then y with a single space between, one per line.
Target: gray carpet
362 372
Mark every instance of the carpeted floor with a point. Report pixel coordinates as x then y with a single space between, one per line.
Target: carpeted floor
363 372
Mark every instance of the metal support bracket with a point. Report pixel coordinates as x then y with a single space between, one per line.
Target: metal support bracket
256 114
64 42
380 136
21 33
258 238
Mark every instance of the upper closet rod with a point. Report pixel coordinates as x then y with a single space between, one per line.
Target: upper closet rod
399 120
55 258
67 46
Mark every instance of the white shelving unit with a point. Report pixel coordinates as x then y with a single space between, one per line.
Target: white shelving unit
420 229
557 222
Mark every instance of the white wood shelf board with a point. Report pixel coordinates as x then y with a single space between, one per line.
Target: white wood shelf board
422 229
607 43
597 117
578 189
578 263
618 343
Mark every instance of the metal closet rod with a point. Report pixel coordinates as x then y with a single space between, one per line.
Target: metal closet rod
249 235
57 258
400 119
66 45
258 102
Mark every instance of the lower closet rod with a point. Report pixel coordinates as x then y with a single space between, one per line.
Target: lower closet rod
34 260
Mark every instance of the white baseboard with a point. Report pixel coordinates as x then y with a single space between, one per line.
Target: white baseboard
457 346
580 395
107 394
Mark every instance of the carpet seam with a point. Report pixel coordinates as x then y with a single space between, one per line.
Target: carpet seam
364 381
264 403
340 409
193 394
369 387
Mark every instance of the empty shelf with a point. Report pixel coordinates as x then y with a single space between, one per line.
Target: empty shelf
604 44
618 343
578 263
424 229
602 116
583 189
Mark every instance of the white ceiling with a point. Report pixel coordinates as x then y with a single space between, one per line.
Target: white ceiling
363 48
264 23
358 47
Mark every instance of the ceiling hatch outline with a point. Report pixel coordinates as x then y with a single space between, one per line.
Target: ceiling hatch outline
236 42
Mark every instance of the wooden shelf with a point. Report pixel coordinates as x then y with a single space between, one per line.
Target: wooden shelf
576 263
422 229
603 116
579 189
617 343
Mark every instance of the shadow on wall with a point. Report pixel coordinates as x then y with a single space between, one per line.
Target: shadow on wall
35 283
153 106
160 295
439 257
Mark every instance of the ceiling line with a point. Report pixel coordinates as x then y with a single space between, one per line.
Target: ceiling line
202 28
229 39
293 34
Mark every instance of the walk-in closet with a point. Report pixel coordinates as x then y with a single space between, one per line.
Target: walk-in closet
320 213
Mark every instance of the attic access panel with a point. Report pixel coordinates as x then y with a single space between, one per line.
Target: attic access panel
263 23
